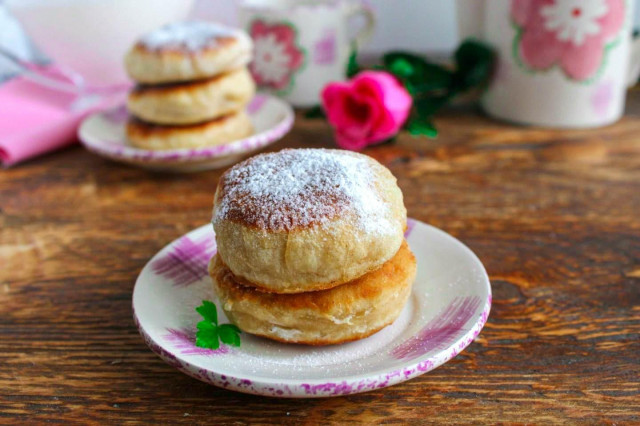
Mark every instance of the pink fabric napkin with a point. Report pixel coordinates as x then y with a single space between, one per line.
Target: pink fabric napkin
35 120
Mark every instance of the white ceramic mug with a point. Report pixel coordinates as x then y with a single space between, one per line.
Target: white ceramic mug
91 37
561 63
300 46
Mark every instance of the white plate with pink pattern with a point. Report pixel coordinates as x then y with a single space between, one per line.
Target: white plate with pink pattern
448 307
104 134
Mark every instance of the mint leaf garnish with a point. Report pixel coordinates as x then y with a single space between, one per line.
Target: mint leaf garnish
229 334
207 339
206 326
210 333
208 311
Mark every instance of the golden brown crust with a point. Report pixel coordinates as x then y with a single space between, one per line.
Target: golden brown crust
264 289
167 64
368 286
176 86
142 128
214 45
325 342
305 224
215 132
192 102
350 311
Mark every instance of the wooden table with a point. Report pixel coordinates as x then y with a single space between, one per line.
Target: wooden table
554 216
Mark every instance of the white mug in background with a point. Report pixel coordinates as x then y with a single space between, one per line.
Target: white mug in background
91 37
561 63
300 46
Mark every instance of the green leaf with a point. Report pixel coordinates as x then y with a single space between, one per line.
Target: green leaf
472 52
232 327
422 127
207 339
208 311
427 107
209 333
475 61
353 67
415 62
315 112
229 334
206 326
418 75
434 77
401 68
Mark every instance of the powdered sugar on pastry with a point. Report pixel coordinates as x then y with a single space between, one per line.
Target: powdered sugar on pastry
302 188
192 36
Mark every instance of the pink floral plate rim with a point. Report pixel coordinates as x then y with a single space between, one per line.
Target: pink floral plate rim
418 362
119 150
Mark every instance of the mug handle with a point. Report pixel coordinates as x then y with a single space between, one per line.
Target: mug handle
634 62
365 34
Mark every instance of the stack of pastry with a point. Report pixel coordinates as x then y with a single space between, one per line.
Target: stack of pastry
311 246
192 87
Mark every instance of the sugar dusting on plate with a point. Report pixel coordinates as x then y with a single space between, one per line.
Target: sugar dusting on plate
192 36
301 188
261 354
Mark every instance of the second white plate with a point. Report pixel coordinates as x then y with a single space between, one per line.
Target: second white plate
104 134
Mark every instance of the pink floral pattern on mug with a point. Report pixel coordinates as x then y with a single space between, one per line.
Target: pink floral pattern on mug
572 34
277 57
325 49
603 97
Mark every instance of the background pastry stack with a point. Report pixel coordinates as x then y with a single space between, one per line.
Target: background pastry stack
311 246
193 87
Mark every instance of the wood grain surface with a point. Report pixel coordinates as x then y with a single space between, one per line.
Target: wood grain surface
554 216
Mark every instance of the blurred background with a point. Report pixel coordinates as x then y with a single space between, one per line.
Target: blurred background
430 27
584 85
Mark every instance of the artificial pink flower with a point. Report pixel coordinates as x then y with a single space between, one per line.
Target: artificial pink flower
368 109
573 34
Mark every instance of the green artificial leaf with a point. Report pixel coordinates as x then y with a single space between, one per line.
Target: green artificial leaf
229 334
315 112
418 126
475 61
401 68
426 107
208 339
353 67
472 53
410 64
418 75
434 78
208 311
